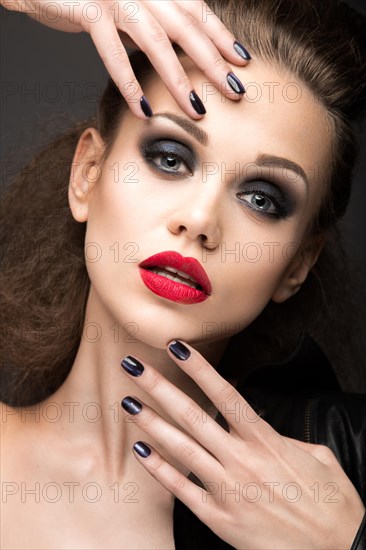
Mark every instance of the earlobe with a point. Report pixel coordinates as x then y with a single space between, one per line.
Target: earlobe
85 172
299 269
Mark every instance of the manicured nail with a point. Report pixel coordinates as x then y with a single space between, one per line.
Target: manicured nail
243 52
132 366
235 84
142 449
131 405
179 350
145 106
197 103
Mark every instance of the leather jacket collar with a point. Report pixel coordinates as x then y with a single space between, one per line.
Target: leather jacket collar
306 368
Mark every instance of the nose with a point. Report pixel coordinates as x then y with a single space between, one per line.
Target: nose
198 217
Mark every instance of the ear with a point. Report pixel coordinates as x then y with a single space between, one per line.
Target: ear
299 269
85 172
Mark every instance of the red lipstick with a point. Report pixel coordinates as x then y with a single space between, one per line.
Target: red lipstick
191 284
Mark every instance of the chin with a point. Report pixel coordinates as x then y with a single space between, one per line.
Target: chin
158 329
157 336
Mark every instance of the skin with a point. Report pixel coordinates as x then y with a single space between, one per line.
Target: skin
193 217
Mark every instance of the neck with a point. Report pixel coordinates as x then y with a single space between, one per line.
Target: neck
91 395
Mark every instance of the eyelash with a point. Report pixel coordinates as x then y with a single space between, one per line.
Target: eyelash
165 148
278 200
177 150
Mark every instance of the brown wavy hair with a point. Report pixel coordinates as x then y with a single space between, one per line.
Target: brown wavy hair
44 282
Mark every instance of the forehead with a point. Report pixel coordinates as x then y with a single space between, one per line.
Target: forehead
278 115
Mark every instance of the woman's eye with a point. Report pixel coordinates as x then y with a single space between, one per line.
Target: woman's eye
170 157
268 199
261 202
168 162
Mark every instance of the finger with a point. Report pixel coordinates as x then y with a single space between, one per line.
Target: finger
184 29
152 39
195 498
213 27
235 409
181 408
179 445
115 58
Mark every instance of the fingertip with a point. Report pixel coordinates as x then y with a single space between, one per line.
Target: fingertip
234 58
196 117
179 350
242 51
142 449
146 107
197 104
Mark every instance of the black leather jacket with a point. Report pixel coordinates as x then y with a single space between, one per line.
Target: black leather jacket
300 398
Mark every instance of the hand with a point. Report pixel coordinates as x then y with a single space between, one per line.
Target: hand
260 487
152 26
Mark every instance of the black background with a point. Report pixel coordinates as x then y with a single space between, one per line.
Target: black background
50 79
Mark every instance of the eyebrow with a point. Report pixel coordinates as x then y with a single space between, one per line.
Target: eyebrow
280 162
262 160
200 135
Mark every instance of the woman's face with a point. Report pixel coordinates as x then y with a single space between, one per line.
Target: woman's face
225 191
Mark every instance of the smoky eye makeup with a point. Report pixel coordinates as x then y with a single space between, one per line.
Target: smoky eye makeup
267 198
169 155
174 157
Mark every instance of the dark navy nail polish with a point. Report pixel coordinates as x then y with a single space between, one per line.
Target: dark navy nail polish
197 103
131 405
235 84
179 350
145 106
243 52
142 449
132 366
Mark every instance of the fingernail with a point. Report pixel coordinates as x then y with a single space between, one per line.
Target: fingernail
142 449
145 106
132 366
131 405
197 103
235 84
243 52
179 350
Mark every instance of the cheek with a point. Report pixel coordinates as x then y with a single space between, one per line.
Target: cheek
246 278
114 212
112 240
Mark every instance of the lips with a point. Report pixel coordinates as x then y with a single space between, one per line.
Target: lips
191 284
